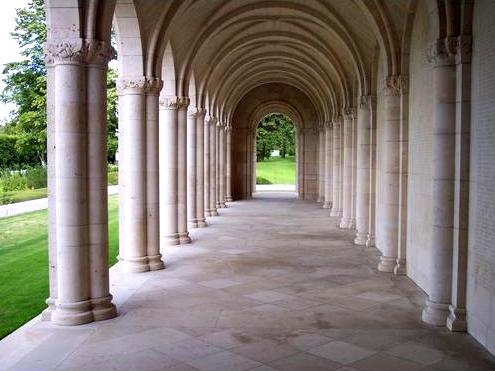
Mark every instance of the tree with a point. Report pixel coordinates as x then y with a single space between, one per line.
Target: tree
25 86
275 131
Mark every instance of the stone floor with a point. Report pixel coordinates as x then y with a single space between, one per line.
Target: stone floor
272 284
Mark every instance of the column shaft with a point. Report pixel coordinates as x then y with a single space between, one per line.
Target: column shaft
328 166
389 205
191 168
443 161
336 169
207 165
228 165
200 170
347 175
213 169
321 165
168 170
363 171
352 224
132 176
182 170
152 176
221 166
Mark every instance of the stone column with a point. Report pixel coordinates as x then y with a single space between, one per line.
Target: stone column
200 170
347 175
213 168
182 170
168 170
79 287
370 241
436 310
221 166
192 219
389 205
228 165
352 224
363 170
321 165
327 150
207 166
341 185
153 88
336 169
132 175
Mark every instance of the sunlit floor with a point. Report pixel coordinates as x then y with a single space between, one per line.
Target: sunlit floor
271 284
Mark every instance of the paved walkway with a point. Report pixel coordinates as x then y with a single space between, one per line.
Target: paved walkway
35 205
271 284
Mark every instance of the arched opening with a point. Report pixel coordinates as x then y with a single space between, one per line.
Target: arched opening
275 168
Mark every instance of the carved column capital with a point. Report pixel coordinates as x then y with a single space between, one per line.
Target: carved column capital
349 113
153 85
395 85
441 52
209 120
99 52
78 51
131 85
182 103
365 102
168 102
192 112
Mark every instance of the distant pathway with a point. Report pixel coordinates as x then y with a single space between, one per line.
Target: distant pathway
35 205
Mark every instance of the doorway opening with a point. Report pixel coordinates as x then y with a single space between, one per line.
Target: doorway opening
276 154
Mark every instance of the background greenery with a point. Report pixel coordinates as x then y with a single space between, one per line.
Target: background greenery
276 170
24 264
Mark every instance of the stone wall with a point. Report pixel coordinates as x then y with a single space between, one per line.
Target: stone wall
481 256
420 151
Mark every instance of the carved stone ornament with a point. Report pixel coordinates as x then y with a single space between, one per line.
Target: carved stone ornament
365 102
446 51
131 85
209 120
192 112
464 49
153 85
349 113
395 85
168 102
76 51
182 103
201 112
327 125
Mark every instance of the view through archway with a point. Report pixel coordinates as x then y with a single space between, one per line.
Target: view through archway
276 154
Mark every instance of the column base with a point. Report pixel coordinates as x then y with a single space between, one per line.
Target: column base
207 213
360 239
103 308
386 264
334 212
456 321
327 204
214 213
192 223
352 224
320 199
72 314
344 223
134 265
171 239
228 199
435 314
46 315
202 223
400 267
370 242
184 238
155 262
222 205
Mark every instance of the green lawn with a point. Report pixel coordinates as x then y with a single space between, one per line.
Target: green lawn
24 195
24 264
276 170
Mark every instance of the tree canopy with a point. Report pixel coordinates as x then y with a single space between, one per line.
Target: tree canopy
25 86
275 132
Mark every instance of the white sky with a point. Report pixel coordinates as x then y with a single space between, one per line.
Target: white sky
10 50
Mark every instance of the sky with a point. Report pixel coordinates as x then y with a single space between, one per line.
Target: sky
10 50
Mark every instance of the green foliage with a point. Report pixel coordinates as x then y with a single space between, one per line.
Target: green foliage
113 178
275 132
12 181
25 86
25 83
36 177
